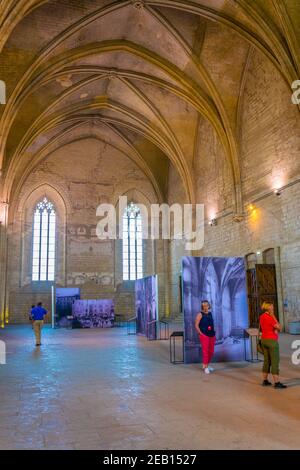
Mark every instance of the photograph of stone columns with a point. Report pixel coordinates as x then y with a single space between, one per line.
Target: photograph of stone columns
149 225
146 301
223 282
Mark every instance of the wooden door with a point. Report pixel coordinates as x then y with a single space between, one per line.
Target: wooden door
262 287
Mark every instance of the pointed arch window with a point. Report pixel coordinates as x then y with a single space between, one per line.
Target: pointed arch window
132 243
44 236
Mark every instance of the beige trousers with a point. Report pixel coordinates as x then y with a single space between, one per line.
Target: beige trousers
37 328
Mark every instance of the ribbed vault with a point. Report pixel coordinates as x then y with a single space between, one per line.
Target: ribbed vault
136 75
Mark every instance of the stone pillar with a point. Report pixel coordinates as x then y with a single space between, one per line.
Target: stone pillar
160 268
3 264
167 310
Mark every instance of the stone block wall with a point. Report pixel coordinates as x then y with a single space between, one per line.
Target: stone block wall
77 178
270 158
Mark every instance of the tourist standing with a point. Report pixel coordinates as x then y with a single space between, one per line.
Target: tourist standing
204 325
270 328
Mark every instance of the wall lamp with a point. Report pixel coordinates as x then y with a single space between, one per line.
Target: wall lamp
252 210
213 222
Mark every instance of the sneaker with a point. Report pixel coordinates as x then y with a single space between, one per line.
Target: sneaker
266 383
279 385
206 370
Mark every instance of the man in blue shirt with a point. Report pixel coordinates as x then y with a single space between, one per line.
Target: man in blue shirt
37 315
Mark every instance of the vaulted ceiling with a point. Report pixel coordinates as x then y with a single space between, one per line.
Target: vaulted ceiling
135 74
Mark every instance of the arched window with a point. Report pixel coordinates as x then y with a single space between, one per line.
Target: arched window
132 243
43 258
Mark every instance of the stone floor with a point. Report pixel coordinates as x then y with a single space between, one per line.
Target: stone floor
102 389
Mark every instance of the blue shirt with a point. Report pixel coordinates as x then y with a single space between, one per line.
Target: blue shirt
38 313
206 324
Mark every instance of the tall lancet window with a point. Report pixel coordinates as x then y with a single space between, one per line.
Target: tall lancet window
132 243
43 259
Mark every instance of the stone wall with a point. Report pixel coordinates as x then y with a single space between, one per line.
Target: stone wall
77 178
269 155
80 175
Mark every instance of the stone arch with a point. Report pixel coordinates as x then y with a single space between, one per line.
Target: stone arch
251 260
269 256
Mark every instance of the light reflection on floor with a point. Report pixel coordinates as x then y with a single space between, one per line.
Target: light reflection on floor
102 389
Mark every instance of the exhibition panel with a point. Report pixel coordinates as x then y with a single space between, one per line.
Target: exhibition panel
64 300
98 313
146 306
221 281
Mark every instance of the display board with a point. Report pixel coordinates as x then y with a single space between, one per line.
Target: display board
221 281
146 306
64 300
98 313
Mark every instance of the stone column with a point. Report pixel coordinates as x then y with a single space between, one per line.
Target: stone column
3 263
160 268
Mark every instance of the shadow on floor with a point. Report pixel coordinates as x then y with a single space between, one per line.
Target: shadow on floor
292 382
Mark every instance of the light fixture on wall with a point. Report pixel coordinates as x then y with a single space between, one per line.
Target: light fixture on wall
252 210
213 222
3 213
277 192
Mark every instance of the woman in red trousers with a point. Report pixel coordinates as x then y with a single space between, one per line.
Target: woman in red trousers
204 325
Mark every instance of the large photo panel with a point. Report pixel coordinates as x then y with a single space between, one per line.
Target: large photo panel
94 313
146 306
65 298
221 281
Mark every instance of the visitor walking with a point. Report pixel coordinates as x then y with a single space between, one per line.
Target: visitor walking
204 325
38 313
270 328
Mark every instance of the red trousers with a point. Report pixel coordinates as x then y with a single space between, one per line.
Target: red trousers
208 347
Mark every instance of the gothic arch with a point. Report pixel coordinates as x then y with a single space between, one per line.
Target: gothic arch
21 221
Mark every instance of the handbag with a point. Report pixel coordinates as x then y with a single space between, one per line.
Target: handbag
259 346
